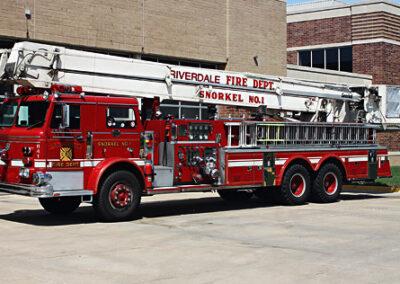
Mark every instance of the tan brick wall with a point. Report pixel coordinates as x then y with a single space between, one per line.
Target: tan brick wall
232 31
257 28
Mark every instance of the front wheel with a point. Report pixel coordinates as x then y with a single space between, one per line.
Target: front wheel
60 205
118 197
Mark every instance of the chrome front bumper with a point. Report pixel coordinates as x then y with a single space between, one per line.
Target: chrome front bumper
44 191
27 190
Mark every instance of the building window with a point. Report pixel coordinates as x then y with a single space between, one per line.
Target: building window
337 58
305 58
184 62
346 59
318 60
332 58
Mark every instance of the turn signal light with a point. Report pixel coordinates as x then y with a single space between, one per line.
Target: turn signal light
148 169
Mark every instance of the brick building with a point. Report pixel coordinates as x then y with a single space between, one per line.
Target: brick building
238 35
360 38
216 34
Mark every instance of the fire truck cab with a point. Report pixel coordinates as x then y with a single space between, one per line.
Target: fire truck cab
66 147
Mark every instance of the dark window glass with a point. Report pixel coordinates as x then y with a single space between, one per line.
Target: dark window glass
346 59
7 113
148 58
74 117
208 66
121 117
305 58
168 61
189 63
169 110
332 57
32 114
190 113
56 118
318 58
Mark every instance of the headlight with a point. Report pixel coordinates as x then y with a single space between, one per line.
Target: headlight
40 178
24 172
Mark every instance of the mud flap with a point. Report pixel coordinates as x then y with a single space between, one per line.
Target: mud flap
372 165
269 169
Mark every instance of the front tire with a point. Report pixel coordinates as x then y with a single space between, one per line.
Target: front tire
118 198
60 205
296 185
327 185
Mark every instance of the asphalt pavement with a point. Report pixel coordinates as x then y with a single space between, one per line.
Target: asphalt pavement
198 238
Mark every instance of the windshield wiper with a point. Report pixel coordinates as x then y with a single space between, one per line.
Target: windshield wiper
36 124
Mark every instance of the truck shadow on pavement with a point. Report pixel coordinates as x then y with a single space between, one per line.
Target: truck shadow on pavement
154 209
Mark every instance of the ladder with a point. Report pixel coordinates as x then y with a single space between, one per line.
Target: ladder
256 134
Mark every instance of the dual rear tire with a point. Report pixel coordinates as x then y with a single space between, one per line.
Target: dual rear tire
327 184
298 187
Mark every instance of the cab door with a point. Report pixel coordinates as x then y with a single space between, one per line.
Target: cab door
66 146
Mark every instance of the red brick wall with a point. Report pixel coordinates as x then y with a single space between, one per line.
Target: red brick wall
321 31
292 57
381 60
390 140
234 112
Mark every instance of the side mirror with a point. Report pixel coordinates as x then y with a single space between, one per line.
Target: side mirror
65 116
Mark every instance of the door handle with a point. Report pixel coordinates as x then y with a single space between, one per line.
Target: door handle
116 133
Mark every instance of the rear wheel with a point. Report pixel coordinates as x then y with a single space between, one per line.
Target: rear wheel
235 195
296 186
327 184
60 205
118 198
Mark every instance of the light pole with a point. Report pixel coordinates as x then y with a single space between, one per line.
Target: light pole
28 16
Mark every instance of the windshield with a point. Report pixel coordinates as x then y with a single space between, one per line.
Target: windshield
7 113
32 114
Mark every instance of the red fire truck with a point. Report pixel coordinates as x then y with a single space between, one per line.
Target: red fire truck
66 144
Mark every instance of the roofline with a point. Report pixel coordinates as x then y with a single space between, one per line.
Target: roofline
344 6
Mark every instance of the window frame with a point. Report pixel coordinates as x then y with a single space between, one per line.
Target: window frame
339 57
129 107
70 104
181 105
